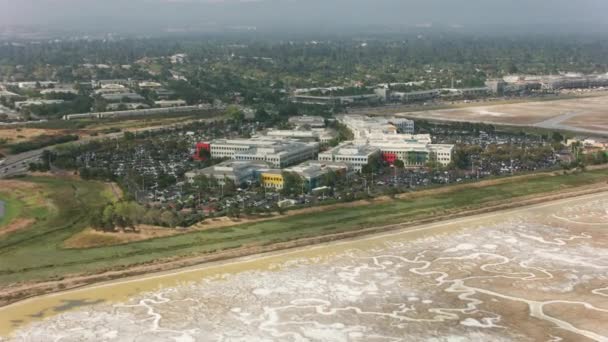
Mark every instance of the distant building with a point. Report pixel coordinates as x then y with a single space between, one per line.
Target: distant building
29 103
363 126
170 103
112 88
324 136
311 121
496 86
414 96
149 85
334 100
8 94
124 97
556 82
179 58
473 92
597 143
120 81
127 106
59 91
36 84
164 94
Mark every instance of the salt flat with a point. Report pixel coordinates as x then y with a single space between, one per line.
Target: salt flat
532 274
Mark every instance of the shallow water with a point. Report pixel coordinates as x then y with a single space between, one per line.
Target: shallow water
496 277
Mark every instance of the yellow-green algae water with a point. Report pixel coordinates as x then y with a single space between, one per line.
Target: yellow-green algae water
38 308
410 283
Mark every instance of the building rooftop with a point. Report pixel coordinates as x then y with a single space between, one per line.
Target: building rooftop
350 148
120 96
314 169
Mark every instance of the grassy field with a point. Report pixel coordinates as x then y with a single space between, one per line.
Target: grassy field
12 209
37 253
25 203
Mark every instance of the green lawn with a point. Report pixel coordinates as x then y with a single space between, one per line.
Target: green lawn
37 254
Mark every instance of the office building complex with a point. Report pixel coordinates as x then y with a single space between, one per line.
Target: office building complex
356 156
278 152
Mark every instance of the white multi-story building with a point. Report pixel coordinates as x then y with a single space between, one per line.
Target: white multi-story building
405 126
383 133
324 136
278 152
363 126
442 153
413 149
356 156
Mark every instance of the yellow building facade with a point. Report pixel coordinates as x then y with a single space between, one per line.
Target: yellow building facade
272 180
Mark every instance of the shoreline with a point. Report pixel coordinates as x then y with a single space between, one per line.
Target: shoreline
24 292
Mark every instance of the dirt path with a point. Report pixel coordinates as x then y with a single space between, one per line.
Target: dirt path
14 293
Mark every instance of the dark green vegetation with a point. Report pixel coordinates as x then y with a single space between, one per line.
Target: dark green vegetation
37 254
40 142
259 69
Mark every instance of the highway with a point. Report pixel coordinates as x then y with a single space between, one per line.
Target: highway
18 164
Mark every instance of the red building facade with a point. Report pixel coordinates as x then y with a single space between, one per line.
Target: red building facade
389 157
202 146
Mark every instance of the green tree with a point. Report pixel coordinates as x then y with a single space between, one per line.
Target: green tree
261 115
234 113
557 137
292 183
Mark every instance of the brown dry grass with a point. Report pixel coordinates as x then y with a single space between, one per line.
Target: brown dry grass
11 185
16 225
89 237
17 135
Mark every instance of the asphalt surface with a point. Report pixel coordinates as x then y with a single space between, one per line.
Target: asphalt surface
18 164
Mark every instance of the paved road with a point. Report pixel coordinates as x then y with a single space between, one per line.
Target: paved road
552 124
18 164
557 123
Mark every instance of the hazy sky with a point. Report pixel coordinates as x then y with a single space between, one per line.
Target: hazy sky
317 15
